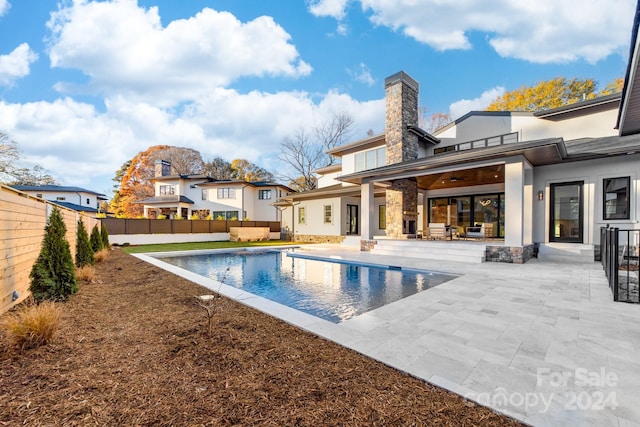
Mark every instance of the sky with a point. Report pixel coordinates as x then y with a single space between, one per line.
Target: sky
86 85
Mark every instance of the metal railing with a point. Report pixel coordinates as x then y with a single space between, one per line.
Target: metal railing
507 138
619 257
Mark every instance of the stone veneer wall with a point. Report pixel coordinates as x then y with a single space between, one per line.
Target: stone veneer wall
312 238
401 103
367 245
510 254
402 204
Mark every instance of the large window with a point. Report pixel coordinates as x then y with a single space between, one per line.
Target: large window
301 216
382 217
226 193
264 194
167 190
327 214
371 159
205 194
616 198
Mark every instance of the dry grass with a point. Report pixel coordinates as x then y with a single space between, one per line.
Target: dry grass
101 255
86 274
34 325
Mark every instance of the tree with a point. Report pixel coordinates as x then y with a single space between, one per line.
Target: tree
96 239
84 251
218 168
53 274
303 155
553 93
104 235
437 121
244 170
12 173
135 184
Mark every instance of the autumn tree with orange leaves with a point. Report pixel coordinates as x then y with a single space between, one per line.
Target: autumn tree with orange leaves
135 181
553 93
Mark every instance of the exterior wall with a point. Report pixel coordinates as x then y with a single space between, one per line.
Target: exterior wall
593 126
314 224
480 126
71 197
329 179
592 173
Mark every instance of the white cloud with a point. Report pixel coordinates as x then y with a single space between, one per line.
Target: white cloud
125 50
83 146
543 31
463 106
332 8
4 7
16 64
362 75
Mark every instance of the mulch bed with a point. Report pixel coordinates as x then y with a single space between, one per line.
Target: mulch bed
133 349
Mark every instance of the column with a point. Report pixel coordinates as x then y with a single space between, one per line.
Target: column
367 211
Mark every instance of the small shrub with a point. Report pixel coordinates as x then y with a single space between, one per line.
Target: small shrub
84 252
101 215
102 255
104 234
209 217
53 274
96 239
161 216
34 325
86 274
220 218
195 216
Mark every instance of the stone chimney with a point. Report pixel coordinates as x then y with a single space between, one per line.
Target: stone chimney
163 168
401 94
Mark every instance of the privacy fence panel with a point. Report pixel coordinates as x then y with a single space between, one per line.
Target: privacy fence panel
22 222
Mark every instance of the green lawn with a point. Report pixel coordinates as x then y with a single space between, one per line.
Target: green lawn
168 247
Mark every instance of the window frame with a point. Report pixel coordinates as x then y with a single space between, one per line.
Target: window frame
162 191
616 216
264 194
226 193
328 219
302 219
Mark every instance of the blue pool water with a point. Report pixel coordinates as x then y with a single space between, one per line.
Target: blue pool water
333 291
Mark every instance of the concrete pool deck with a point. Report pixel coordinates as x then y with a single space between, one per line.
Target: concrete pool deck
541 342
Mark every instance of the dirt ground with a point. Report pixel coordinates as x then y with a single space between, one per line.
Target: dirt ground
133 349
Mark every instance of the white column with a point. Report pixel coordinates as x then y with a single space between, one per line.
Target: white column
367 211
514 205
527 218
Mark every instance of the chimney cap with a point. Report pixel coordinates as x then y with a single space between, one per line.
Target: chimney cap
401 76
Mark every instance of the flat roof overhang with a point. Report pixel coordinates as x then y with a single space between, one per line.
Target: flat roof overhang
537 153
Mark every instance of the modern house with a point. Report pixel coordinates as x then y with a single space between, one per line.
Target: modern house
205 197
75 198
536 180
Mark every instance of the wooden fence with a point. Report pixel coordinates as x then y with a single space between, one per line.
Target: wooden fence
22 222
118 226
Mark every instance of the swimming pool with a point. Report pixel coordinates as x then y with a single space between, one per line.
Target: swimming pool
332 290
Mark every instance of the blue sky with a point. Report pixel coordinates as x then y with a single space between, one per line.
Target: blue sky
86 85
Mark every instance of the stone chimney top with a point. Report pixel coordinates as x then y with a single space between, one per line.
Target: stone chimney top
162 168
401 76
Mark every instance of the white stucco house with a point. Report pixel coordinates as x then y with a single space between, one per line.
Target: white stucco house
188 195
75 198
537 179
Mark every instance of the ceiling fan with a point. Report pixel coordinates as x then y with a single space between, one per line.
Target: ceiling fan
455 178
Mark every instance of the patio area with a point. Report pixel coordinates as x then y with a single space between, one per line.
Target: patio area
542 342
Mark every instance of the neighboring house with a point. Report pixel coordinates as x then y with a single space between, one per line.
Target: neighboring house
75 198
555 176
206 197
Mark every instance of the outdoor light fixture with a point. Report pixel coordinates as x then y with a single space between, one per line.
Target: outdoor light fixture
540 195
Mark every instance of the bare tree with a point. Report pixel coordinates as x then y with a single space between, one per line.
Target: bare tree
218 168
12 173
184 161
304 155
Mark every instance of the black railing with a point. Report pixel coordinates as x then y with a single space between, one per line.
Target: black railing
507 138
619 257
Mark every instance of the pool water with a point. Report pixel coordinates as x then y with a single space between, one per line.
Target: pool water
334 291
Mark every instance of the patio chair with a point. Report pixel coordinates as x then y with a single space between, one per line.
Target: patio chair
480 230
438 231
